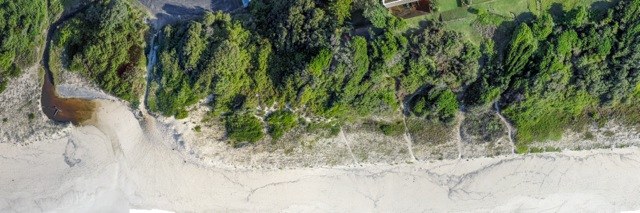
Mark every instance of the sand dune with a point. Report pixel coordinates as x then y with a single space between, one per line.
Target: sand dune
115 165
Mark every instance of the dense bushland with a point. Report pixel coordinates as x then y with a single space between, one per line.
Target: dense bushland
105 43
562 72
21 25
304 55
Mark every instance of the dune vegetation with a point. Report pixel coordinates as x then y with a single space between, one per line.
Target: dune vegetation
344 60
305 55
21 25
105 43
548 66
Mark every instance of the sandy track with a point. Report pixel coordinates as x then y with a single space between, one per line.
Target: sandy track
119 166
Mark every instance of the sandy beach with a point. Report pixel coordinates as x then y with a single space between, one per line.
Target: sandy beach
117 163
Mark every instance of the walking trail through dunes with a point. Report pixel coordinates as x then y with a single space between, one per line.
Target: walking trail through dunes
113 164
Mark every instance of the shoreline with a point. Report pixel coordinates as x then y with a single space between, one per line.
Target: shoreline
118 164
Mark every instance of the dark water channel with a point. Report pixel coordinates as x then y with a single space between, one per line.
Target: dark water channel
74 110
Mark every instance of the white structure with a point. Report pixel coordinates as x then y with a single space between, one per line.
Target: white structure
393 3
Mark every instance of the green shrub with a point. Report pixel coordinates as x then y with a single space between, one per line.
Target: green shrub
20 33
483 126
3 84
392 129
536 150
589 136
330 129
279 122
522 148
438 105
244 128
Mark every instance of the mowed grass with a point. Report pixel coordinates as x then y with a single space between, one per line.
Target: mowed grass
506 8
444 5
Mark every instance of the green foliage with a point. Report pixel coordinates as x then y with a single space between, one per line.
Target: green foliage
554 77
106 44
484 17
320 63
446 105
457 60
326 129
546 119
244 128
303 54
483 126
580 69
340 10
377 15
289 54
280 122
543 27
439 105
392 129
577 17
292 25
521 48
388 46
196 60
21 26
3 84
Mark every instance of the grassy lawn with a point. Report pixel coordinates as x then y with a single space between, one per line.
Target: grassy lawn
444 5
507 9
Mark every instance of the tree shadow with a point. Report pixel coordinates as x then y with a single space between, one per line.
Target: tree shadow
226 5
172 13
178 10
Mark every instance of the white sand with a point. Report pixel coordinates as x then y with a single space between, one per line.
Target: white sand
114 165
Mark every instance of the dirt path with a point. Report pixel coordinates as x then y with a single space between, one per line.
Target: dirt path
403 112
459 119
407 136
346 142
509 127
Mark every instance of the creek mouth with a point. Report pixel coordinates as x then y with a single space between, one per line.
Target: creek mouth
56 108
